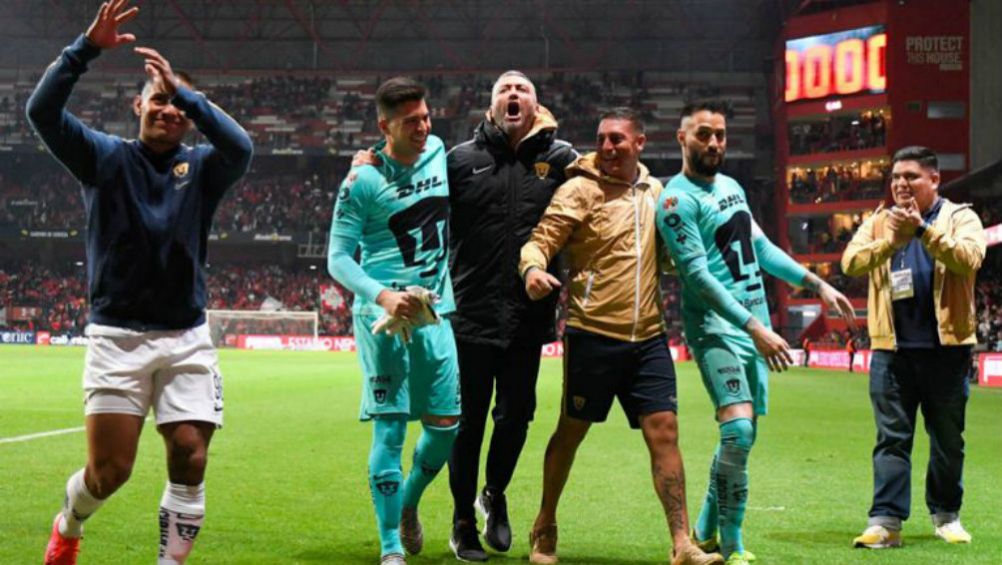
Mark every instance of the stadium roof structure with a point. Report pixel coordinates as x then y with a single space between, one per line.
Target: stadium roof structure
420 35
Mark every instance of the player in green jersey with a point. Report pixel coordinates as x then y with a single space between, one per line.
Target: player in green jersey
720 252
398 213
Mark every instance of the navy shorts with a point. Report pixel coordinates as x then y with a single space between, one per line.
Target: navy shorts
598 369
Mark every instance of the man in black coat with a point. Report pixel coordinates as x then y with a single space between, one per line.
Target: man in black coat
500 184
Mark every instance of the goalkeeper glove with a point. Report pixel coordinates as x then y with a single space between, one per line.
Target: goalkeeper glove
391 325
427 314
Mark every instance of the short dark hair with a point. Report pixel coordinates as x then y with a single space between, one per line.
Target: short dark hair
923 155
713 105
397 91
624 113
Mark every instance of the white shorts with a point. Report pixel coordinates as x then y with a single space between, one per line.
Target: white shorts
174 371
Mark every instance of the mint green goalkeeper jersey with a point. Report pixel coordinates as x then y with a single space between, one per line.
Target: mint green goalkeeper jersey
710 233
399 217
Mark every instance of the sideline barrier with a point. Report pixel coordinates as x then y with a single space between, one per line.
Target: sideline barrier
990 369
838 359
347 343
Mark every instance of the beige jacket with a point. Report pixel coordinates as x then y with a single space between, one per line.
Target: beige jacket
956 241
606 230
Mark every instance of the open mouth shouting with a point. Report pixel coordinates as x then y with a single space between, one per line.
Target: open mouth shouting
513 112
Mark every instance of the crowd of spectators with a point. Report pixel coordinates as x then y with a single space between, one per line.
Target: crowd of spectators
39 199
317 111
274 288
838 183
988 293
838 133
817 235
47 197
54 297
990 212
279 204
59 294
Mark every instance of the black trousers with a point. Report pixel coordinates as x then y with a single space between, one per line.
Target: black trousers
512 372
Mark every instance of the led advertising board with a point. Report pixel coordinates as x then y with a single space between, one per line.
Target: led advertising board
837 64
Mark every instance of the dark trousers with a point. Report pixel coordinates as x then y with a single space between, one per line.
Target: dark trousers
512 371
901 382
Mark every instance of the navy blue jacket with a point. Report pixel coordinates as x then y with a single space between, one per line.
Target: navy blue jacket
148 214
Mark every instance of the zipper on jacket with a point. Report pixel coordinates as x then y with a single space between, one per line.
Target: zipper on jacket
636 290
587 292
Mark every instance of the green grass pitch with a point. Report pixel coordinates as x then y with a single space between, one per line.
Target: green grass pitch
287 475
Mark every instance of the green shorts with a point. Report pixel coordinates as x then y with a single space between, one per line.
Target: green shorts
733 371
415 379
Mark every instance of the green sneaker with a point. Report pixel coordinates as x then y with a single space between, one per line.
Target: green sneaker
713 545
708 546
739 558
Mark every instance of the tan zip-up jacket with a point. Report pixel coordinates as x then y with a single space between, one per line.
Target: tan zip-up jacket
606 230
956 241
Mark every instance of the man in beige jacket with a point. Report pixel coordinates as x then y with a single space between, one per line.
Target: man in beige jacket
922 256
614 346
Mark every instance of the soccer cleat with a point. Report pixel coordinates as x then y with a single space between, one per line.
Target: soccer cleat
465 543
712 545
543 545
61 550
708 545
393 559
411 532
878 537
742 556
497 529
692 555
953 532
737 558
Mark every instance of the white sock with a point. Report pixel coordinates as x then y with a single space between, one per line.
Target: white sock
78 505
182 510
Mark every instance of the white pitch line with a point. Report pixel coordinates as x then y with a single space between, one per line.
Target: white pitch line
29 437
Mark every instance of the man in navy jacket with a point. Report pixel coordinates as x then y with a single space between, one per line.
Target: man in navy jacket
149 204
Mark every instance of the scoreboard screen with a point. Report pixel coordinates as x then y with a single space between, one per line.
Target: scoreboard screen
836 64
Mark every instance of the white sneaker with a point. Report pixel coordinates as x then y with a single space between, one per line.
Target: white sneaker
953 532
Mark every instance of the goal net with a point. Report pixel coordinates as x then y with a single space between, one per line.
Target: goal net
225 326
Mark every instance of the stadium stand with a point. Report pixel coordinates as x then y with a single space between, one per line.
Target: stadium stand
852 132
312 115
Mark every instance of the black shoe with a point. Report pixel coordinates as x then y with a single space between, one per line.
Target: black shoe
497 530
465 542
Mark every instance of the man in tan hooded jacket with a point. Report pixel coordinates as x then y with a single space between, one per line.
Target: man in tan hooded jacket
602 219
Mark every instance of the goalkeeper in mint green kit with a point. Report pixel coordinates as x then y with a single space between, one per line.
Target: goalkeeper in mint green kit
398 213
720 252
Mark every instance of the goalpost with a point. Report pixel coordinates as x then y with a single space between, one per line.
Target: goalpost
225 325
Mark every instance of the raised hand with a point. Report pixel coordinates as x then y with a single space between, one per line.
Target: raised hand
910 215
159 70
103 32
896 232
